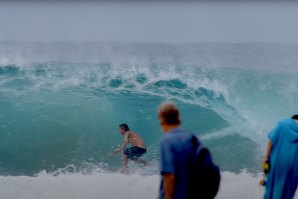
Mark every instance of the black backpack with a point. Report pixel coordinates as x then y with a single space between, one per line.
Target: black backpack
204 174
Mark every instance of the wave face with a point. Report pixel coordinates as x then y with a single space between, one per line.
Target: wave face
61 103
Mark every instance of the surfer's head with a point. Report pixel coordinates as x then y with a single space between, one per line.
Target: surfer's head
123 128
295 117
168 115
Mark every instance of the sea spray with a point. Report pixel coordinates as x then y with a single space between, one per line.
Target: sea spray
61 104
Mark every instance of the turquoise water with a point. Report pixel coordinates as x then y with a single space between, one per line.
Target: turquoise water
60 113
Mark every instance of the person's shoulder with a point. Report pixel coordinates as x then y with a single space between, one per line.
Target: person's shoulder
285 122
126 134
187 133
130 133
178 134
168 138
180 130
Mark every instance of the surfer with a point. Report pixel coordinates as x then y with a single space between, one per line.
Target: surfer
134 152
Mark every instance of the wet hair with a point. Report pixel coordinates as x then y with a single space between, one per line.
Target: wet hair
124 127
169 113
295 117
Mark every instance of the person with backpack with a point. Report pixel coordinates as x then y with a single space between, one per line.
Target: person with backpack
186 166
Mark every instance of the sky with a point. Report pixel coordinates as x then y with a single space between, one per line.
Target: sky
132 21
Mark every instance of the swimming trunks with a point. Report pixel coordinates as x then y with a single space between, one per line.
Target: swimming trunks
134 152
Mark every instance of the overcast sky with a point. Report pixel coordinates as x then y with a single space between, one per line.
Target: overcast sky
153 22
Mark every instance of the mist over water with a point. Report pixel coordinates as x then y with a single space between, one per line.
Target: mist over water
61 103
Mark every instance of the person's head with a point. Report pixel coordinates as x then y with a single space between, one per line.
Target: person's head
295 117
168 115
123 128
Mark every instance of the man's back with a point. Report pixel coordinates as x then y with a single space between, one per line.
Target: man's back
176 155
135 140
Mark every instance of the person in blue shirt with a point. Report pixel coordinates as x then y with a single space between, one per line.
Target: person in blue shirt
176 151
282 154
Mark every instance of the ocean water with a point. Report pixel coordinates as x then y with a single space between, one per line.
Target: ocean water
61 104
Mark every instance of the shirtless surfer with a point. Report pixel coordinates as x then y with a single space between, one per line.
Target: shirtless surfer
134 152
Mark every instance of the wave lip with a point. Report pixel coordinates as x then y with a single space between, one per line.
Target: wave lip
212 54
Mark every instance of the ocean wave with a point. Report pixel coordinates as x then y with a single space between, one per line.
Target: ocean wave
58 109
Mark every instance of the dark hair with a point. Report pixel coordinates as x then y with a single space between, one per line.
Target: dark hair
169 113
124 127
295 117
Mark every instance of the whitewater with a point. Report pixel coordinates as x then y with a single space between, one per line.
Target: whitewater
61 104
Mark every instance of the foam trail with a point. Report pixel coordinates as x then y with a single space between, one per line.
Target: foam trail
114 185
78 186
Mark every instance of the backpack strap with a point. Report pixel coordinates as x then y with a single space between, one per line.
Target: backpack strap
197 146
195 140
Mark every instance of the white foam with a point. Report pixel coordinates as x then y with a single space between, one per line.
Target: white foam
113 186
243 185
78 186
100 185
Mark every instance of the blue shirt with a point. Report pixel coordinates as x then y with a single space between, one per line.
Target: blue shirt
176 150
283 175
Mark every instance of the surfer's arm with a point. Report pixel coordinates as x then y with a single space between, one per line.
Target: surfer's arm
114 152
125 142
117 150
